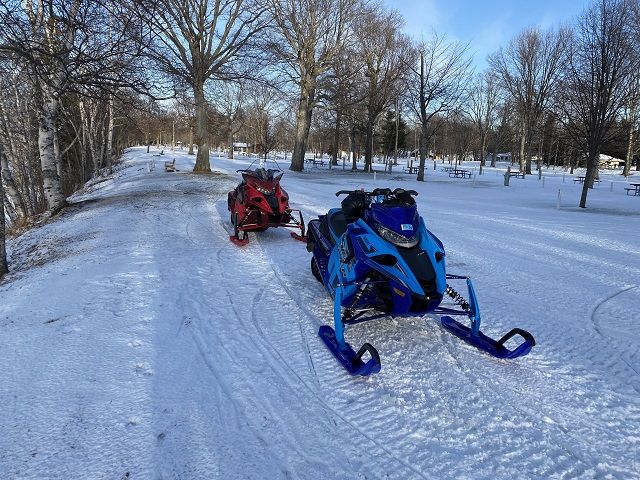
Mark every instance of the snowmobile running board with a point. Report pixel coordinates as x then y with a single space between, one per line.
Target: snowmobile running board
240 243
245 240
487 344
299 237
349 359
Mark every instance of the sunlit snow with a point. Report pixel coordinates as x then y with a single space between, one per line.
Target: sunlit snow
138 342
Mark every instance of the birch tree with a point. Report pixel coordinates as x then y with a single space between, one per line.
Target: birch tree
4 266
43 33
15 136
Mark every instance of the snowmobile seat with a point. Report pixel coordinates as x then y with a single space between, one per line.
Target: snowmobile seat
353 206
339 224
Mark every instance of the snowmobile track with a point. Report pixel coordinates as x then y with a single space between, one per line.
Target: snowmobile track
315 390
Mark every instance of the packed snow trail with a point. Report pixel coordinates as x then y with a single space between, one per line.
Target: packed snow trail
136 341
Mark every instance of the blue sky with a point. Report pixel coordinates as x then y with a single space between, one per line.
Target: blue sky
487 25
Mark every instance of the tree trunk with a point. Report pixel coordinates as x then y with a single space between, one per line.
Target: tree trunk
109 146
368 149
483 148
529 140
523 143
424 138
11 189
352 140
592 167
202 130
303 125
336 138
230 139
630 139
4 267
51 181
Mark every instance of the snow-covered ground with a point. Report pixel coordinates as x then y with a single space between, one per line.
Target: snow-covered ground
137 342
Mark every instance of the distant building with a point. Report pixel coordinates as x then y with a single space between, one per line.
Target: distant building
240 147
501 157
607 161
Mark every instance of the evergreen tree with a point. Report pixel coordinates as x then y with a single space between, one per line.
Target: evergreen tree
389 133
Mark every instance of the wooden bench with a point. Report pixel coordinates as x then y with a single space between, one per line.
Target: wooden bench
170 166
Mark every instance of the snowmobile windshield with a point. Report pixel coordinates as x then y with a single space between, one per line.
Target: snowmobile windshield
397 224
265 181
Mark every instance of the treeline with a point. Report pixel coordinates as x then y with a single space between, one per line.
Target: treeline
80 80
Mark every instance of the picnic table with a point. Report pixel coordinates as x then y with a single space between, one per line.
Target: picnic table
581 178
517 174
448 169
411 169
315 161
635 188
459 173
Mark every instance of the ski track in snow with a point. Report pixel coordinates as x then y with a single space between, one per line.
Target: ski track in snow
189 357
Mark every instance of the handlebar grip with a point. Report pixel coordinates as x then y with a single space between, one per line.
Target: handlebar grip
341 192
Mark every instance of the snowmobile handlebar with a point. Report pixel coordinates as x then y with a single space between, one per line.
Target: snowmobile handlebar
247 170
377 191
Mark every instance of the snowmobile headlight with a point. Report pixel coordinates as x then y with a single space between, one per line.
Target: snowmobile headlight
264 191
396 239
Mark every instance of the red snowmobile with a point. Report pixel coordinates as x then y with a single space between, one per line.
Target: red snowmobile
258 203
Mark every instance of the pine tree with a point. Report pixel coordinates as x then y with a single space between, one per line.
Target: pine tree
389 133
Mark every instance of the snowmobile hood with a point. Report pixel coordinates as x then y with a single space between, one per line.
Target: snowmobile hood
403 219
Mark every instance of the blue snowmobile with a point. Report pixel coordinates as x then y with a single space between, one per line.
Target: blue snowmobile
376 258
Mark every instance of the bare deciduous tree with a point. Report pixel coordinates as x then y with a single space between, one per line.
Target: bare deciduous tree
383 50
597 80
198 40
311 34
436 84
483 102
343 92
230 103
528 69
